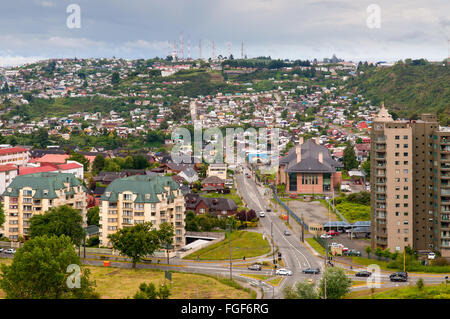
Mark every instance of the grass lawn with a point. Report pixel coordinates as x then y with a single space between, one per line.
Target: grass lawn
366 262
315 245
257 276
243 243
275 281
118 283
427 292
353 211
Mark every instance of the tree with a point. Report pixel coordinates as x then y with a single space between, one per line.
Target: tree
149 292
115 79
58 221
80 158
337 283
368 250
93 216
419 284
98 164
135 242
378 252
349 159
366 167
302 290
39 270
165 235
2 215
251 215
140 162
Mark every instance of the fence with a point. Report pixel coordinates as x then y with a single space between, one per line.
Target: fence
336 211
288 210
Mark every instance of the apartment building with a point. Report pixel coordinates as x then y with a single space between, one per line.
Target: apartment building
7 174
218 169
14 155
407 164
141 198
33 194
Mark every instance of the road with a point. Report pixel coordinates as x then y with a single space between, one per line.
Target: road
295 255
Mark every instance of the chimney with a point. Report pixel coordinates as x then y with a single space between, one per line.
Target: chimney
298 150
321 157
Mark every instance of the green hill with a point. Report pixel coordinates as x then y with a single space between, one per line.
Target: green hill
408 90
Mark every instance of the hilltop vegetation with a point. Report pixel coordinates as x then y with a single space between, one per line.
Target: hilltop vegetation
408 89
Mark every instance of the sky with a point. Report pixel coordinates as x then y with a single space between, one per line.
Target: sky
356 30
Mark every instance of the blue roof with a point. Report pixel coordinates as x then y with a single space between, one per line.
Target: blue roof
336 224
362 223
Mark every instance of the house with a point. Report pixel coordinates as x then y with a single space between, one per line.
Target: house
362 151
214 206
189 175
308 168
213 181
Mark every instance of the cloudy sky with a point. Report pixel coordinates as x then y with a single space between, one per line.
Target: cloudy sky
295 29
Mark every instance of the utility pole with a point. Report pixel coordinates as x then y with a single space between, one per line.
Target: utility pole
303 229
271 236
229 240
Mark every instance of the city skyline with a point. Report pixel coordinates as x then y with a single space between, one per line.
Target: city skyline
280 29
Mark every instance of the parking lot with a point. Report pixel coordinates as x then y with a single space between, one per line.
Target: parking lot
313 212
357 244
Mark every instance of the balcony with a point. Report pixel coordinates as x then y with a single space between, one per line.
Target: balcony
445 192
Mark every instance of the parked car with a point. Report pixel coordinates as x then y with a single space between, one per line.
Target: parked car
10 251
287 233
268 210
431 255
311 271
1 250
352 252
293 196
344 249
284 272
333 233
325 236
255 267
363 273
262 214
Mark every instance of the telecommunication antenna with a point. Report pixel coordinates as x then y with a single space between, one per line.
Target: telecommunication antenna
189 48
200 49
181 46
213 51
242 50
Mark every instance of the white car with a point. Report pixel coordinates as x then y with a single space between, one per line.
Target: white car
284 272
10 251
262 214
325 236
431 255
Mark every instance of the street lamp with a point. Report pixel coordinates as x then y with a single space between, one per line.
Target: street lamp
229 241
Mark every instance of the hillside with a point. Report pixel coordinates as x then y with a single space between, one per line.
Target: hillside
408 90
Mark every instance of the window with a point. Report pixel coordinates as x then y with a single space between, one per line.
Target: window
27 192
405 145
127 196
397 137
405 137
405 154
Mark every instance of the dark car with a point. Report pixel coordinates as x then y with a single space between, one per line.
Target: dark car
363 274
397 277
352 252
255 267
311 271
399 273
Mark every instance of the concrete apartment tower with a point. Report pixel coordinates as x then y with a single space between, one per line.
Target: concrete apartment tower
410 198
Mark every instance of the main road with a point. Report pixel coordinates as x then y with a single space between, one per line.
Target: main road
296 255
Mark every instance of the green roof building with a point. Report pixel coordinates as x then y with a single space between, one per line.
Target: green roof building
32 194
141 198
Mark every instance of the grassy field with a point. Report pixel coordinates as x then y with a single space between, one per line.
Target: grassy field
353 211
315 245
118 283
441 291
248 244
